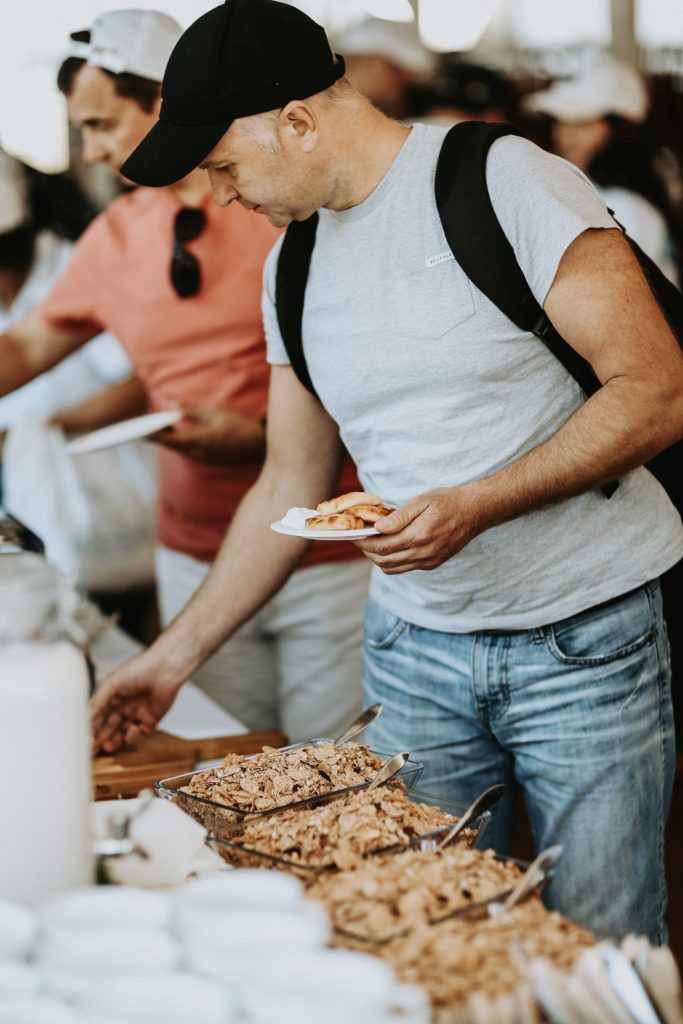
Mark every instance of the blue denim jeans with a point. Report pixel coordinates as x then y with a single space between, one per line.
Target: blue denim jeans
577 712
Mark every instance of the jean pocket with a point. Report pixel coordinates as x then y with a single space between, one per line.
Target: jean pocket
382 629
599 636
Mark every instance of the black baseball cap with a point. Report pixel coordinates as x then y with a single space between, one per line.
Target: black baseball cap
242 58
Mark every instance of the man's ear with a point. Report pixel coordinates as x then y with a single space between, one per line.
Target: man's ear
299 120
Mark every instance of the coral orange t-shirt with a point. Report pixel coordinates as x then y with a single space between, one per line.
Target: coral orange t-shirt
207 349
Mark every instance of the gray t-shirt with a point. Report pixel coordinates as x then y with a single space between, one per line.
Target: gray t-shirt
432 386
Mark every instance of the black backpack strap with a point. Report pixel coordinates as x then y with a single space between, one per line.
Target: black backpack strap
481 247
290 289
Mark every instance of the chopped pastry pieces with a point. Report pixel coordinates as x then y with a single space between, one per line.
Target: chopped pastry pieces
452 959
276 778
389 894
339 833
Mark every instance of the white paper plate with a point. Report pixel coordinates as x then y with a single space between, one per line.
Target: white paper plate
126 430
291 531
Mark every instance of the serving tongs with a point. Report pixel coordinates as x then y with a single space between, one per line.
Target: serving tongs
483 802
388 770
534 876
365 718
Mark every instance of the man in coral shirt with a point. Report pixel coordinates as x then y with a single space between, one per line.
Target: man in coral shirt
178 280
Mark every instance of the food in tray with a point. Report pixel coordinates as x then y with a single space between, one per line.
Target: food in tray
451 959
339 833
385 895
352 511
275 778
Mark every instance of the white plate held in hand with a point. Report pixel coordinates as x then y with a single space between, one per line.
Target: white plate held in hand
294 525
126 430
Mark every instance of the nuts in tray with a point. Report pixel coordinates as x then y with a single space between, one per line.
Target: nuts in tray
451 958
276 778
387 894
338 833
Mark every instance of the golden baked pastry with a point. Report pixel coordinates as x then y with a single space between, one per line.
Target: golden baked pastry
345 501
369 513
340 522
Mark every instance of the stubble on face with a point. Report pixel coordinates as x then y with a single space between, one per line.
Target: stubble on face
275 184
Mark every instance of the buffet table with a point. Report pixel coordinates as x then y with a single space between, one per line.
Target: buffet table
298 886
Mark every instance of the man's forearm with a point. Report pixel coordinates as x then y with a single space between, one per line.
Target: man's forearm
618 429
33 346
15 368
119 401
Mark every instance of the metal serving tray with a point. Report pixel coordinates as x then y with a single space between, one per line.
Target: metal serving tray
245 856
211 812
472 911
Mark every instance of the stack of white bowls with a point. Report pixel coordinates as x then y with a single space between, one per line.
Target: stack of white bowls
237 947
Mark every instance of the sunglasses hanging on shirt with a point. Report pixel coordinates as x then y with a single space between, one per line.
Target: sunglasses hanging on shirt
186 274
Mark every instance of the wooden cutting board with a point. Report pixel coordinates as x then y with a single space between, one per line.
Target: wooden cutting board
125 773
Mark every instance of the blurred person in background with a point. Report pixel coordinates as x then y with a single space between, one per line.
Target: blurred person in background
31 260
599 124
179 281
58 203
461 91
384 59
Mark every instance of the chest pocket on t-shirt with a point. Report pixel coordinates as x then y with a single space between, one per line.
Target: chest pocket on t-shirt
429 301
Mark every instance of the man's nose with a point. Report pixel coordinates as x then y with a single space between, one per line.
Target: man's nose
222 192
94 152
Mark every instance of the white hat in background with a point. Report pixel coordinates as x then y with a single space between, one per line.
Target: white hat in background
606 87
139 42
397 42
14 206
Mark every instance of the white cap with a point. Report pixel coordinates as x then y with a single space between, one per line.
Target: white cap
14 205
606 87
397 42
139 42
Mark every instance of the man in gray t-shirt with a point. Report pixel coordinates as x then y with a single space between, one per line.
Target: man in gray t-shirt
514 626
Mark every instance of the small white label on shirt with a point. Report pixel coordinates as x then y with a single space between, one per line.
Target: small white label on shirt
442 257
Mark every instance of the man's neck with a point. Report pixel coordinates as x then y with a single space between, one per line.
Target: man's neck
367 149
190 191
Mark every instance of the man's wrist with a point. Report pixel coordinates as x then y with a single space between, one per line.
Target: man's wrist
487 504
171 661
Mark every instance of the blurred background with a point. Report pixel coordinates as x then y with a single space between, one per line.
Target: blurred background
527 39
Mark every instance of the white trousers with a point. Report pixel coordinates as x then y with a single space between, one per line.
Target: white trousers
296 664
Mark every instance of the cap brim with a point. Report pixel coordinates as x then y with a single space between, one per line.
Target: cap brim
170 151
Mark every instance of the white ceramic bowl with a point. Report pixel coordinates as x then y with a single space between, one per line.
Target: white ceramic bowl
307 925
17 979
107 950
107 906
267 935
38 1010
17 930
159 999
243 889
68 985
334 986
